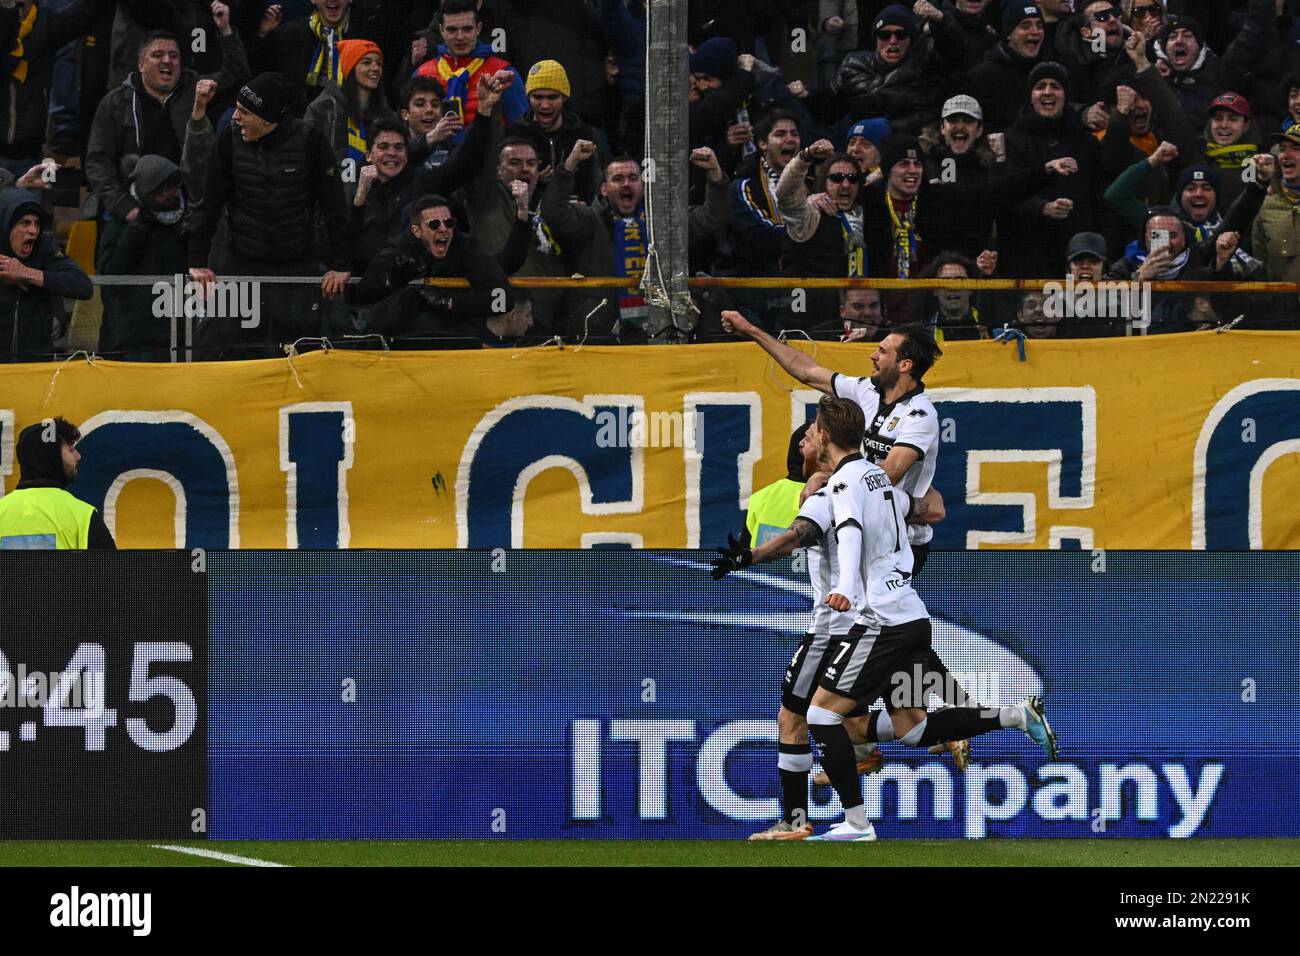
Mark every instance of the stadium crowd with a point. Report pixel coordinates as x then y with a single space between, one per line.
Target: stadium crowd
385 141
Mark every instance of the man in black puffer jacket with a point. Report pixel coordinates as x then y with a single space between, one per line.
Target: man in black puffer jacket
904 78
270 175
1001 82
433 248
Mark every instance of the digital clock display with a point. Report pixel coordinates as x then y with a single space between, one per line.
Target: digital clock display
103 695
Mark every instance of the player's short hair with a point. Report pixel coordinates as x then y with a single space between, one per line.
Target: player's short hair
420 84
918 346
842 421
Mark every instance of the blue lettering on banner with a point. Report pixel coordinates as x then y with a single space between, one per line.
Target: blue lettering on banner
1056 426
1250 428
524 437
174 447
316 442
724 455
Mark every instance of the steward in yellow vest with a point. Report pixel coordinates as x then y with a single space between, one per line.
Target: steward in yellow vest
773 509
41 514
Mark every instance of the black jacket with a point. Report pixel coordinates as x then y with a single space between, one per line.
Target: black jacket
910 94
1001 85
423 310
1032 245
27 316
1090 72
979 33
1001 186
270 191
117 127
553 148
385 214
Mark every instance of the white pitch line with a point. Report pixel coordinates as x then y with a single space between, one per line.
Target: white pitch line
214 855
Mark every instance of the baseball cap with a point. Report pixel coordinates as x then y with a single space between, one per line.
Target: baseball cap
963 104
1089 244
1231 101
1289 135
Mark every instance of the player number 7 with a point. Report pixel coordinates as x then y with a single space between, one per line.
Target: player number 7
844 646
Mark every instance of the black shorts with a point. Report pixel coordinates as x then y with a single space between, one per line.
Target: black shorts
805 672
890 663
919 553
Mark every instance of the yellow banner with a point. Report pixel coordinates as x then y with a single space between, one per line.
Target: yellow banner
1169 442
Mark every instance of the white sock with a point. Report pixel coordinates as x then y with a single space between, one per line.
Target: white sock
1011 717
913 737
857 816
884 727
861 751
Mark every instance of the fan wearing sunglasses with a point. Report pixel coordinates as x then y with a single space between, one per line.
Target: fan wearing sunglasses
1091 48
824 232
903 78
1145 15
434 248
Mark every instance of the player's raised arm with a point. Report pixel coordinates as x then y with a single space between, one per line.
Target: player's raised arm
802 533
795 363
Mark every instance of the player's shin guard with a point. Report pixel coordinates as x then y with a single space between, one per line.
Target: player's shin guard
827 728
958 723
794 762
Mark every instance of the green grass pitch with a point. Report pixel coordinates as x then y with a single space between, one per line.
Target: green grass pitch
945 853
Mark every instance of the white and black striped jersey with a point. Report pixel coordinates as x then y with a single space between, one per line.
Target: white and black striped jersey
824 567
911 421
875 558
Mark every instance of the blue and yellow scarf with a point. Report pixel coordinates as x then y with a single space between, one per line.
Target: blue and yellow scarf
325 68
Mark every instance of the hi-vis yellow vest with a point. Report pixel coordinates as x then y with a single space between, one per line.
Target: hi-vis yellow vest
772 510
37 519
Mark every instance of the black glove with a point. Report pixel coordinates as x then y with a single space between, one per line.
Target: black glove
734 557
433 298
404 269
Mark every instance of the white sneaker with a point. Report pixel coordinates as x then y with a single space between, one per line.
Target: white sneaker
846 832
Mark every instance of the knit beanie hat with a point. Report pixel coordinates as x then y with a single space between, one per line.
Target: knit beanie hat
897 148
1181 23
1049 71
896 15
1015 14
715 57
547 75
351 52
1194 174
265 96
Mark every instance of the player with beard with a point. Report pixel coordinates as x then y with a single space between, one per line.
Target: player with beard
890 641
902 434
811 529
